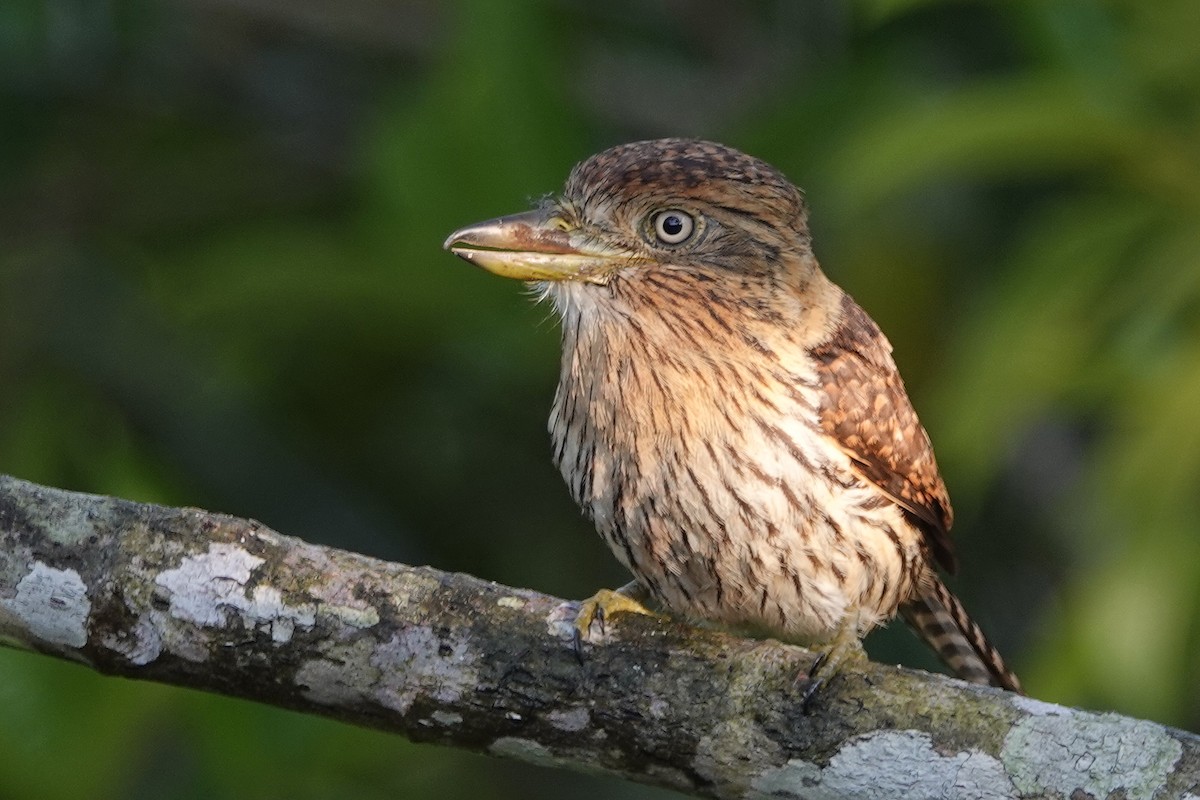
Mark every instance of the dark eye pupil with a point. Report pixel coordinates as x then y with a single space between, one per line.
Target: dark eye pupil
672 225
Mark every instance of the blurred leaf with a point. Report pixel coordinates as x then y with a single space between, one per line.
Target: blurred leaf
89 723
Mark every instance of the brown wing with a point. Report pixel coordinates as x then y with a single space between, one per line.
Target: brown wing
868 413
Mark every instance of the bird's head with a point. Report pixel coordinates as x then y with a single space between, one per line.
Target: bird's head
688 207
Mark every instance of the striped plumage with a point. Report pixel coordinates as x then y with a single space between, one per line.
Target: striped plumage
730 419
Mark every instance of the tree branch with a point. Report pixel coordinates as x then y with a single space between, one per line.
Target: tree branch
214 602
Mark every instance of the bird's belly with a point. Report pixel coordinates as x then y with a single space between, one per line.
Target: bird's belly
779 547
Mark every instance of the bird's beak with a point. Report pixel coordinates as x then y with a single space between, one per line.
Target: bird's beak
535 246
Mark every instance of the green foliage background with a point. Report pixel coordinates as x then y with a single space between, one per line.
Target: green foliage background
221 285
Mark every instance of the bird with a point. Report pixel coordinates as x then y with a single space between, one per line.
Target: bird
730 419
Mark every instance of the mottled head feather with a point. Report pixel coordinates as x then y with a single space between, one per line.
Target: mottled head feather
688 169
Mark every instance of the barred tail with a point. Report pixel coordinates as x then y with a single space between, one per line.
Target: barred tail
942 622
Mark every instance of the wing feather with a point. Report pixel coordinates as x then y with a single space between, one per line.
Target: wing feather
867 412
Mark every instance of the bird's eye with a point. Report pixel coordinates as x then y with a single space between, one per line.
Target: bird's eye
673 226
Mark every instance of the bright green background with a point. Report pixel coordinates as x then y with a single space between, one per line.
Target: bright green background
221 284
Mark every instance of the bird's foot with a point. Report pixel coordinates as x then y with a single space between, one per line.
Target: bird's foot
603 604
844 650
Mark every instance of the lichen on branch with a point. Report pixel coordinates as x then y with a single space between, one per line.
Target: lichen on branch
214 602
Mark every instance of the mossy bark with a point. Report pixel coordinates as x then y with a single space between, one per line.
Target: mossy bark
214 602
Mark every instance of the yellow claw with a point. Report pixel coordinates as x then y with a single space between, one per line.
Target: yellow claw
843 650
605 603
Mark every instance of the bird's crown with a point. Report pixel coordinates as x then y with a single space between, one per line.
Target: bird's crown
687 169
